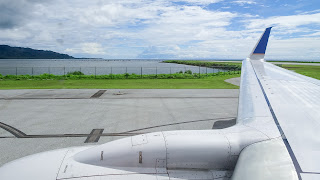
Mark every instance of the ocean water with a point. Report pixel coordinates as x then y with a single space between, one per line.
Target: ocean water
94 66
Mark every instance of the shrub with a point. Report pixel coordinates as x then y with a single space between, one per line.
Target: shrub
188 71
178 75
75 73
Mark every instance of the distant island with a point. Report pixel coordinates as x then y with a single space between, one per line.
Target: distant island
8 52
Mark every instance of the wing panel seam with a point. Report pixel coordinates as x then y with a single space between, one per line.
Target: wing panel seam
285 141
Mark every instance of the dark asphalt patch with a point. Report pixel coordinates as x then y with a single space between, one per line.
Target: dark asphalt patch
98 94
94 136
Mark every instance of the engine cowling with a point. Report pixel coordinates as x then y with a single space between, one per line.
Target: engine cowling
170 150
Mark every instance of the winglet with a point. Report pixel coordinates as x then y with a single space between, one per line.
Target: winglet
259 50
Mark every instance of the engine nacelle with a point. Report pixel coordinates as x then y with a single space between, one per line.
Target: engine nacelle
169 150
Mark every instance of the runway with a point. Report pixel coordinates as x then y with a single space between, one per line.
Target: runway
34 121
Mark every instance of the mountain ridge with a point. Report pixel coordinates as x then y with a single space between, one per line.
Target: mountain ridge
9 52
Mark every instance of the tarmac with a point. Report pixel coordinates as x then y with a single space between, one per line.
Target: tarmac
235 81
34 121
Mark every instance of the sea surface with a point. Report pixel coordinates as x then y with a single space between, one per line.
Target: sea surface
94 66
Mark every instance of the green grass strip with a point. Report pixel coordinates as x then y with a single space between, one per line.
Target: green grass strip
307 70
180 75
232 66
295 61
216 82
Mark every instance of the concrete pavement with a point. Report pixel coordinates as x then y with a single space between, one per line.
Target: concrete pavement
33 121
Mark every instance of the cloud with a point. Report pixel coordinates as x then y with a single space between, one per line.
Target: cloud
186 23
154 25
87 48
243 3
160 52
123 24
115 15
197 2
60 41
311 12
316 34
93 48
13 13
13 34
285 22
151 28
294 49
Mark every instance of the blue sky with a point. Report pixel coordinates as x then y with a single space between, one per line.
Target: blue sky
189 29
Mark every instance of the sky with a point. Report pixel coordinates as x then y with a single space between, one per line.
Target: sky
163 29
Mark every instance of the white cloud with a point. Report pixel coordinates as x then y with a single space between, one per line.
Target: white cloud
295 48
311 12
198 2
286 22
92 48
180 25
14 34
88 48
115 15
243 2
158 28
313 34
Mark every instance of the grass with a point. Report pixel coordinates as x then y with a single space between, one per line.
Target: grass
311 71
126 81
216 82
76 75
295 61
221 65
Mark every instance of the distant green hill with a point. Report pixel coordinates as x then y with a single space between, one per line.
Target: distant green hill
8 52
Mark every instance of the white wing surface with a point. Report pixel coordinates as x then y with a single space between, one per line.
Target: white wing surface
292 101
295 102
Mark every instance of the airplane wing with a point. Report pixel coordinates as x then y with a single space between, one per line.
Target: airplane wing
276 137
292 101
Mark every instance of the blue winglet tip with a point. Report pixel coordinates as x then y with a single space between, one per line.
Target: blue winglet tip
262 45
